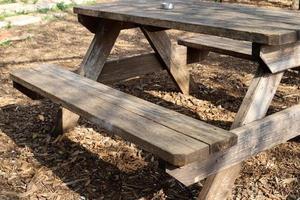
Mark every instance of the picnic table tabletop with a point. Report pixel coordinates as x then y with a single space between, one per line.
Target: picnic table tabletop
259 25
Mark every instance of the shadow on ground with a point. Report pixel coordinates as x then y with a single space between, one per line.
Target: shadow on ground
80 169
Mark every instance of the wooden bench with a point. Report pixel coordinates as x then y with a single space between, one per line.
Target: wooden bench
199 46
174 137
193 149
226 46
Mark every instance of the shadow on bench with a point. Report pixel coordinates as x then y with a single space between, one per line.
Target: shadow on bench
192 148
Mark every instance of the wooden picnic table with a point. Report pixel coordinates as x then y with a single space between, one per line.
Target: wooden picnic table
274 34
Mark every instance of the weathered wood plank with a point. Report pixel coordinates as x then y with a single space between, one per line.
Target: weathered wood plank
124 68
92 23
236 48
195 55
99 50
281 58
112 110
176 65
89 22
29 93
90 67
252 139
211 135
260 25
254 106
258 97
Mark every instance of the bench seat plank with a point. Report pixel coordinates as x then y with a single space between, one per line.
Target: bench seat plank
174 137
236 48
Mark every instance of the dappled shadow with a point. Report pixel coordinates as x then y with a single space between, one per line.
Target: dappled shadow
80 169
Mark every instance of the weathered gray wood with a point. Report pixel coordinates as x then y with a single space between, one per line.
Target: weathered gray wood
176 65
254 106
64 121
91 66
92 23
174 137
124 68
100 48
175 121
195 55
252 139
29 93
236 48
258 98
276 58
280 58
260 25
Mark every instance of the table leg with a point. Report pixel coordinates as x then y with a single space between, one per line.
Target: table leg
176 65
91 67
255 106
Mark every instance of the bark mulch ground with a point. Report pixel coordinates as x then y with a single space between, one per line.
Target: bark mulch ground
90 163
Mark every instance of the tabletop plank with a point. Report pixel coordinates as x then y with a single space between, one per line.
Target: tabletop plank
261 25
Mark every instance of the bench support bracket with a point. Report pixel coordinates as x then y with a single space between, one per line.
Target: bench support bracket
168 54
90 67
253 138
254 106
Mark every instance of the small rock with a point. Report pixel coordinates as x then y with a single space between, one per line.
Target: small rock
60 15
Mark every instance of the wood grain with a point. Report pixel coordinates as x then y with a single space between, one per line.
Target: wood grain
91 65
100 48
188 126
27 92
226 46
176 65
195 55
128 67
254 106
92 23
241 22
281 58
252 139
146 124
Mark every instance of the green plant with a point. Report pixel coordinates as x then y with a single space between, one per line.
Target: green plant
21 12
7 1
48 17
5 43
2 16
8 26
62 6
90 2
43 10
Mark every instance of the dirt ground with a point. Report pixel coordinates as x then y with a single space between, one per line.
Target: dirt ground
90 163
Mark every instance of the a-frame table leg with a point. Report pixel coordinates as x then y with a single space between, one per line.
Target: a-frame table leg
176 65
254 106
91 67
